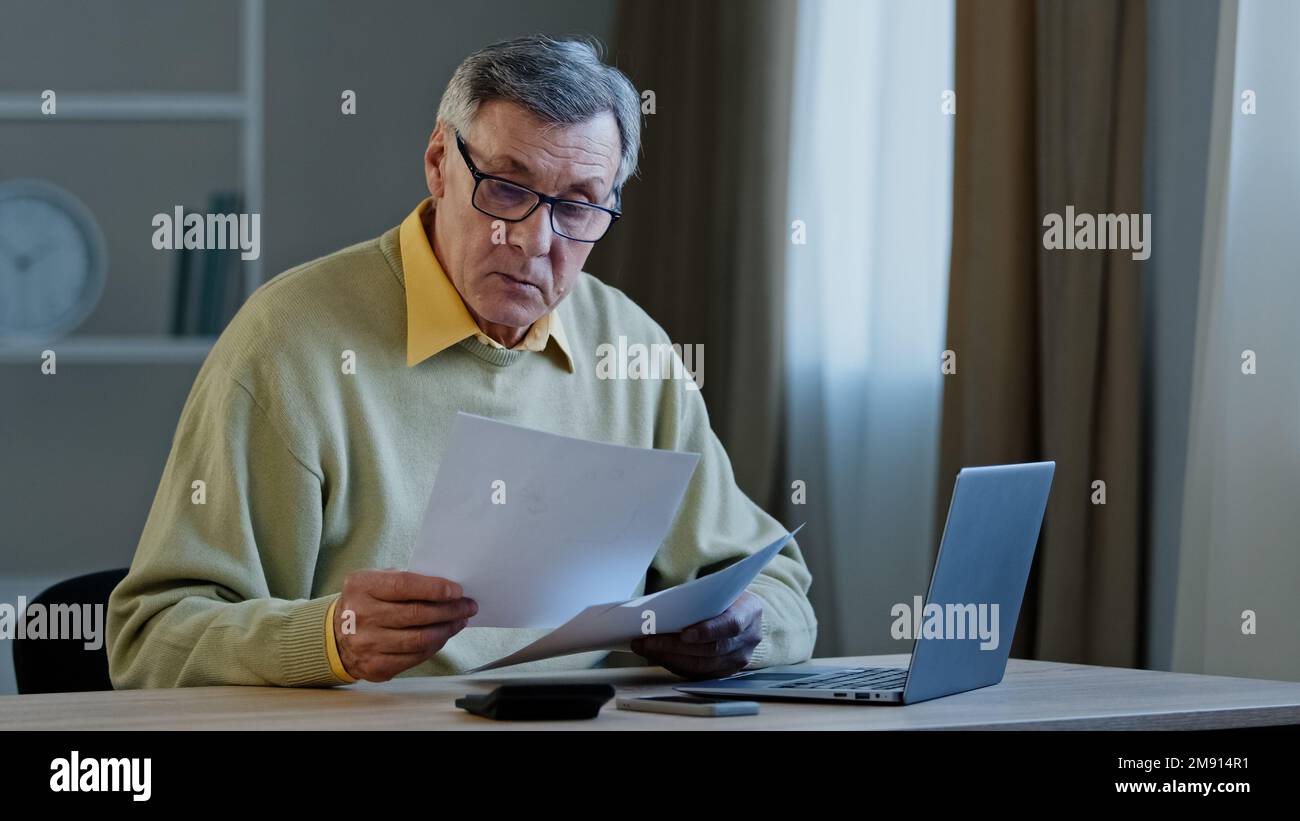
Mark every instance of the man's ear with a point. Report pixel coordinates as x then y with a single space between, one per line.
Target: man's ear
435 156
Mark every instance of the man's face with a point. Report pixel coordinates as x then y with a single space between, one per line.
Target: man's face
516 282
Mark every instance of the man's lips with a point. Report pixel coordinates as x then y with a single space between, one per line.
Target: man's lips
518 280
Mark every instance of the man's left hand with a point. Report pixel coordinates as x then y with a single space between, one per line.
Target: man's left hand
712 648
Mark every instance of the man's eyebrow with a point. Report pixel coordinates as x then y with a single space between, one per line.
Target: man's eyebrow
591 185
503 164
506 164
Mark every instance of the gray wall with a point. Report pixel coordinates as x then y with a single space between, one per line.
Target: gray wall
81 452
1181 38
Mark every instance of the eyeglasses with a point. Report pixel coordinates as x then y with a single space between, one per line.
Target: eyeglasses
505 200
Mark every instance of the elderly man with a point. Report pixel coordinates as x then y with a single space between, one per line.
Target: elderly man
316 424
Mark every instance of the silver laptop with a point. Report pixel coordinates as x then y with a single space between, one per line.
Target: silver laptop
961 636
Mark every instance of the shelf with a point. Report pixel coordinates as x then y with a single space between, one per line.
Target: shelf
245 107
126 106
111 350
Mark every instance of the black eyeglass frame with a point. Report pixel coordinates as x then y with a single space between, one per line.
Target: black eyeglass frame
542 199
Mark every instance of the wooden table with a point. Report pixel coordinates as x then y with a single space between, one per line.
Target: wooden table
1033 695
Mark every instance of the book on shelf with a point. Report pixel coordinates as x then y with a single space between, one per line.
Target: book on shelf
209 286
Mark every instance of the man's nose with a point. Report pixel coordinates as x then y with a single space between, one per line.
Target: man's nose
533 235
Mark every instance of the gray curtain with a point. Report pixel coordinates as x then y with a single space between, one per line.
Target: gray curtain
1051 114
701 245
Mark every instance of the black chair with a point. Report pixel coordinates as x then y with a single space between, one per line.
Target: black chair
65 665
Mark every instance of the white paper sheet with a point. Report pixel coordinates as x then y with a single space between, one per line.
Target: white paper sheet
581 521
611 626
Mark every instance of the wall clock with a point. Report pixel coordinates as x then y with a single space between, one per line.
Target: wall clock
52 261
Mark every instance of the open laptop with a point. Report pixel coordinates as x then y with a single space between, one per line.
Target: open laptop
984 559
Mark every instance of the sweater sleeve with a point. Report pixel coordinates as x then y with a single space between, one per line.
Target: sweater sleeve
718 525
219 591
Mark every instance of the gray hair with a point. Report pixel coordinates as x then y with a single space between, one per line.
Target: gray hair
560 81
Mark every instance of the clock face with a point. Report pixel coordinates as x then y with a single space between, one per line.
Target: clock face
51 260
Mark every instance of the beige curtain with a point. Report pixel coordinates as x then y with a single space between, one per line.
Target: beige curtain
1050 114
701 245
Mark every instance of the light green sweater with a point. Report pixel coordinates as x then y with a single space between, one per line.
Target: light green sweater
310 473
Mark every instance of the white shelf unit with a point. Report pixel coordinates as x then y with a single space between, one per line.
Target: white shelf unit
245 107
112 350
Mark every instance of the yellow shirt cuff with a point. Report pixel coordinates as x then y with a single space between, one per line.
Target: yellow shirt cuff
332 648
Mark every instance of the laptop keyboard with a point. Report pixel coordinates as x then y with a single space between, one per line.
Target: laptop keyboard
861 678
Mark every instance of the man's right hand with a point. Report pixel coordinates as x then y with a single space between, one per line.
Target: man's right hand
400 619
